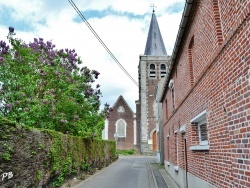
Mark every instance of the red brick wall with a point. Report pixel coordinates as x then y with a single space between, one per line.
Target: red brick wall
221 87
128 141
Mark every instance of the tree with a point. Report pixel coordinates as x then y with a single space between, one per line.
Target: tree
48 88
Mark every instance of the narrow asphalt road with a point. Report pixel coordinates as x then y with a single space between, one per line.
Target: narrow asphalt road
128 172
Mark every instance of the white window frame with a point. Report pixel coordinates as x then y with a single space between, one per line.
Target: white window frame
163 72
152 72
199 120
125 131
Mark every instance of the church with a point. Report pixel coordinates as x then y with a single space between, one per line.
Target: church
121 125
153 65
139 130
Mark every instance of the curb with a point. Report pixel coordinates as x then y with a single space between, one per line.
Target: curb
152 173
169 181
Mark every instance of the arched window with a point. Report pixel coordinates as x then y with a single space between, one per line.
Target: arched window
152 71
121 128
163 70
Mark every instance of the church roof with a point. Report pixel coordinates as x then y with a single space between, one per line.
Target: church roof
155 45
125 102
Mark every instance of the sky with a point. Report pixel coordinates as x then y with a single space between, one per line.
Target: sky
121 24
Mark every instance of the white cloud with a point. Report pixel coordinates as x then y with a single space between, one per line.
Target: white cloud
124 36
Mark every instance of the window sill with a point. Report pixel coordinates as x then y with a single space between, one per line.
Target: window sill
199 148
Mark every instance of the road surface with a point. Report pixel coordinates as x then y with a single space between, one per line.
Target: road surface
127 172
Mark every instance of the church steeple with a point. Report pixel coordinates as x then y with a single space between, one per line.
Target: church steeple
155 45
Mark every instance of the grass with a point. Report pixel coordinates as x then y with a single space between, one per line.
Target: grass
126 152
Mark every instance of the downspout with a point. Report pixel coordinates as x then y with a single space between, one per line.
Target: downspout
182 27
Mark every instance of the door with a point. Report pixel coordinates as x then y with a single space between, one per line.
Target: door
154 141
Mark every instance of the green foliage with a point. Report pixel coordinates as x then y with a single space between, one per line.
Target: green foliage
125 152
39 175
41 146
72 154
6 156
43 87
67 154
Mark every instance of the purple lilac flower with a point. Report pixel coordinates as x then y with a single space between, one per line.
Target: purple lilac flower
68 79
49 44
11 29
2 44
96 73
63 121
9 106
42 73
1 59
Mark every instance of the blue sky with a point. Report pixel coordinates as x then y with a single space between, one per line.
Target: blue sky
122 25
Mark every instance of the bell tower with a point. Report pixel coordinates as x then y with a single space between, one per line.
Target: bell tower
152 68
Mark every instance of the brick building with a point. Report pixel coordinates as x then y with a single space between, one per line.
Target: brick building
121 121
152 67
206 97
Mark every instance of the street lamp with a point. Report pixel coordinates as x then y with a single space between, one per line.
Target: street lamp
116 136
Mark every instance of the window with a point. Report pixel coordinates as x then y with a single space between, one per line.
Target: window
171 87
121 128
163 70
121 109
200 122
152 73
202 129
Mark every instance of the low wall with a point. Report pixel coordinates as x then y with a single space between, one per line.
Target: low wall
38 158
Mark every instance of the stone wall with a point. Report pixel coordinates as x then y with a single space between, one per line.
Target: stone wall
38 158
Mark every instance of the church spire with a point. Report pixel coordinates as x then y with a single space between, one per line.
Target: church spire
155 45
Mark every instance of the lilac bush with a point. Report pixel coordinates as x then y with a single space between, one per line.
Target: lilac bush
44 87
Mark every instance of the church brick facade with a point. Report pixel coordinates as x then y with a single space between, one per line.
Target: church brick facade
123 116
206 100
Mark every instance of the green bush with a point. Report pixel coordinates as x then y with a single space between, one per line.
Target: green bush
126 152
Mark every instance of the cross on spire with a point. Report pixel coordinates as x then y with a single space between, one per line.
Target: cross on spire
153 7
